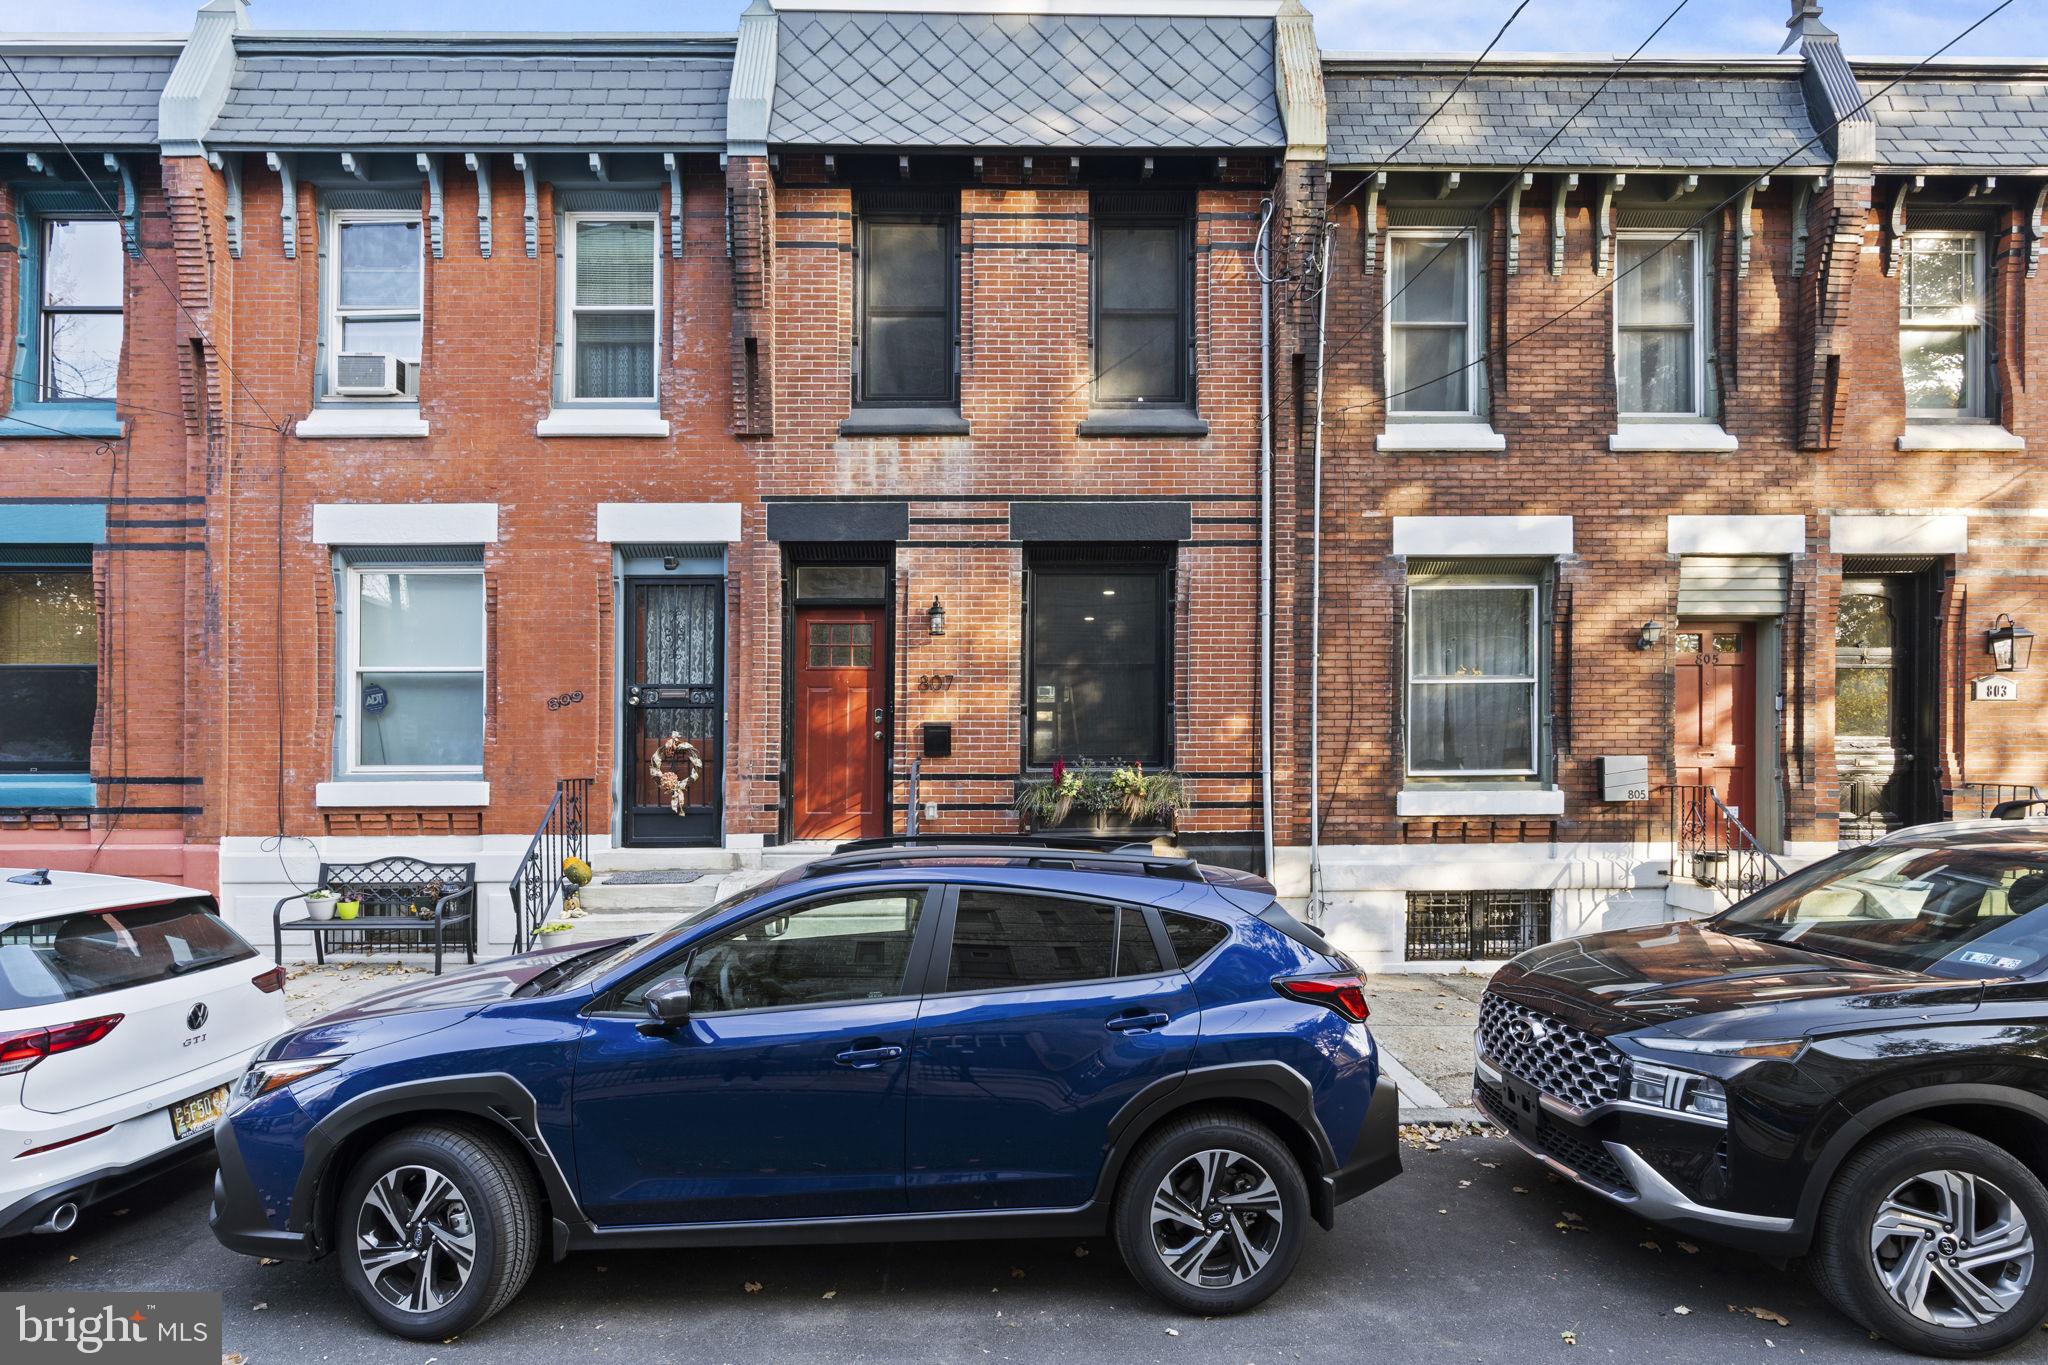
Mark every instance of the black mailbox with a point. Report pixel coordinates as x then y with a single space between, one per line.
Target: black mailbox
938 740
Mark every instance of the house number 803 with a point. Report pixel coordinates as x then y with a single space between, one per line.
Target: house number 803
565 699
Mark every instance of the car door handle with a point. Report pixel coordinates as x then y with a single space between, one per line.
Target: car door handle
1136 1023
868 1058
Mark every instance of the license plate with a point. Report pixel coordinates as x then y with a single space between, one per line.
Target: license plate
1523 1101
199 1113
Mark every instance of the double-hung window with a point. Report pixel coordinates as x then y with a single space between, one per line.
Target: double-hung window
612 326
1659 358
78 322
49 667
1474 676
907 323
1143 302
414 666
1098 662
1941 325
1433 321
375 307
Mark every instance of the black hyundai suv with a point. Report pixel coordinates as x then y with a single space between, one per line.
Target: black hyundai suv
1850 1066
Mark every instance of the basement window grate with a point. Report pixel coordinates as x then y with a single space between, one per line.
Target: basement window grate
1475 926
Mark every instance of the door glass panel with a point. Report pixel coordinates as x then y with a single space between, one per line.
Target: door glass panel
1192 936
1136 954
842 582
1003 940
852 949
1690 641
1727 643
679 634
1863 702
677 667
1864 622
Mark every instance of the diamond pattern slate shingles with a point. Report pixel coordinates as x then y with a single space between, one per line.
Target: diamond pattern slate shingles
472 100
1646 121
1996 125
1000 80
95 100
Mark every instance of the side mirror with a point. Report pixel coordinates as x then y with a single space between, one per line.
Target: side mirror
668 1005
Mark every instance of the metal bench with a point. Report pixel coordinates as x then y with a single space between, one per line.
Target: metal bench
400 897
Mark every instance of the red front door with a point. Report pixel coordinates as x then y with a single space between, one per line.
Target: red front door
840 699
1715 733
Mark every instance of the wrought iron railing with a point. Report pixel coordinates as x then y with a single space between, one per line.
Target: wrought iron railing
1976 800
1711 846
537 885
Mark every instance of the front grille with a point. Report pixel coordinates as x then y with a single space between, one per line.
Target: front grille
1566 1063
1580 1153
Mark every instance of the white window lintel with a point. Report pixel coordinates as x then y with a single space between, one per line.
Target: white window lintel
1930 534
1482 537
1766 535
405 523
668 523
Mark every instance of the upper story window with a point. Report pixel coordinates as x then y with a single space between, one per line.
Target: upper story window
49 668
374 311
1433 325
1097 668
1941 325
907 287
611 325
1659 362
78 327
1474 679
414 664
1143 300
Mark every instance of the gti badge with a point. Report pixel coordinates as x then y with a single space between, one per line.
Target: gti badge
196 1020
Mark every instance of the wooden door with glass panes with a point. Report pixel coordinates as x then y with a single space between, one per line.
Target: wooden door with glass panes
1885 745
840 698
1714 735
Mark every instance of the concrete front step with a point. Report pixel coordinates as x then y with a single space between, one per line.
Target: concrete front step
594 928
664 859
661 898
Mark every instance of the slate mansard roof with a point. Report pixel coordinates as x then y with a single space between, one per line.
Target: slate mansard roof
1125 83
467 91
96 98
1685 117
1976 121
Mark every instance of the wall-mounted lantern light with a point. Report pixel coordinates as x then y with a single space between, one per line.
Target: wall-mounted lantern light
1652 633
2011 646
937 617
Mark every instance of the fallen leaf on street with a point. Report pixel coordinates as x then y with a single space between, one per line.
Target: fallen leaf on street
1173 1331
1080 1251
267 1260
753 1286
1570 1338
1649 1246
831 1294
230 1358
1682 1311
1016 1273
1520 1190
1762 1315
1688 1248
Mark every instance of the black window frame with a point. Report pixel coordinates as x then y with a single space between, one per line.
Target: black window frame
89 673
916 206
1138 209
1042 561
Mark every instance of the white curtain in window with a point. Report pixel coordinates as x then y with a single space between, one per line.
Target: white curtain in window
1472 676
1429 285
1656 315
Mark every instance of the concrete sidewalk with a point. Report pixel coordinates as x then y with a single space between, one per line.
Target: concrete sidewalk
1424 1028
312 990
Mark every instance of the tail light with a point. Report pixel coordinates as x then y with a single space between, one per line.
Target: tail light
270 982
20 1051
62 1142
1343 993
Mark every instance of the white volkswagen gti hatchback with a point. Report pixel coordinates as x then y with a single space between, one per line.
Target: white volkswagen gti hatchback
126 1009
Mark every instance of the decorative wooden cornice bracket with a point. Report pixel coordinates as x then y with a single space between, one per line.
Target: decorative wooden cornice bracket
1603 224
230 168
1564 186
1522 182
523 163
430 166
1369 217
288 201
480 167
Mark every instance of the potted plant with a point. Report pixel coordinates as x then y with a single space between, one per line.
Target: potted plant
575 876
348 907
320 904
1047 804
1122 799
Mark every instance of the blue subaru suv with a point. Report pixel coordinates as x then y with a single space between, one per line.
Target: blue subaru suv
896 1042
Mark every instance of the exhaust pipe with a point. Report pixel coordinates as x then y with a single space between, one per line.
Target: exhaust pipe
60 1219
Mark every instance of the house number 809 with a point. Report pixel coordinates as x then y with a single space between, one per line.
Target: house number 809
565 699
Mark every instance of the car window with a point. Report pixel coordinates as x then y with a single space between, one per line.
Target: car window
1192 937
1965 912
1006 939
46 961
850 948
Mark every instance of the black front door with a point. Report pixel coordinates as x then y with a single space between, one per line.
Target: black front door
674 686
1886 645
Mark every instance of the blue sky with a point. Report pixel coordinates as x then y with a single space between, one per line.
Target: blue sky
1869 27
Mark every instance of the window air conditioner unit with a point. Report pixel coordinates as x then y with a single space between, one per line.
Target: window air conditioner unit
372 374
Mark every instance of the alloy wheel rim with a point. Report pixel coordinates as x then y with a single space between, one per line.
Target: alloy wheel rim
1952 1249
415 1239
1216 1218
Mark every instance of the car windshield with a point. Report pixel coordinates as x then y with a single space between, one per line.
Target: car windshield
1972 911
64 957
583 970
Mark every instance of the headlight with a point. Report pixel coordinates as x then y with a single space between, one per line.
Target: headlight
263 1077
1682 1092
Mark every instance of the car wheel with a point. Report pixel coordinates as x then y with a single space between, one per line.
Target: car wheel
1210 1213
1928 1238
438 1228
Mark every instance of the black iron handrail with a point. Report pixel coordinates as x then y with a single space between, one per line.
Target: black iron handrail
538 881
1715 847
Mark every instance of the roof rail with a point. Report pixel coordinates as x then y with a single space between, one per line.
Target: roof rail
2017 810
1152 864
1104 843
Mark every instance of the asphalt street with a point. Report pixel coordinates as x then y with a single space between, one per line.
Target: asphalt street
1461 1259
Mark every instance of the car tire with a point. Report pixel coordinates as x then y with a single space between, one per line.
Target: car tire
414 1206
1914 1179
1233 1230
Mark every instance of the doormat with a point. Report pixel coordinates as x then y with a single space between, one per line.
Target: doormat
650 878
